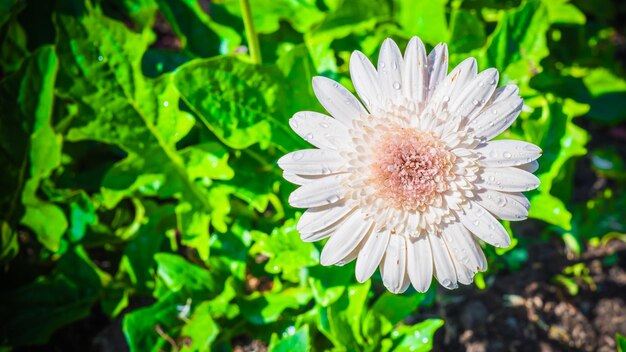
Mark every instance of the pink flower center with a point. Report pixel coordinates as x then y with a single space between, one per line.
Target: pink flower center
411 168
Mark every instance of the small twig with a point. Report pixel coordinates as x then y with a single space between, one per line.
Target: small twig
167 337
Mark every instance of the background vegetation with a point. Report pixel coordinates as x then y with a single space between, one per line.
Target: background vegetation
141 207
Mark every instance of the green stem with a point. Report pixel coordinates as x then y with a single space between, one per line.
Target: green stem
253 39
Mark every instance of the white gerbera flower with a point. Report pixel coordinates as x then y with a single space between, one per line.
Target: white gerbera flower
408 180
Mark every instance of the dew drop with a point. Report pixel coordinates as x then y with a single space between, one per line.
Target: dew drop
294 124
494 111
445 283
446 99
332 199
100 58
425 339
336 85
324 125
166 103
381 64
394 65
297 155
325 171
309 136
491 178
507 155
492 82
396 85
475 102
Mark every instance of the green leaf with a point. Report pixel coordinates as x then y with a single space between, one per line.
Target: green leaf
267 14
296 342
518 40
607 96
467 31
287 253
388 310
429 23
118 106
418 337
176 274
31 149
260 309
341 321
200 329
621 342
239 102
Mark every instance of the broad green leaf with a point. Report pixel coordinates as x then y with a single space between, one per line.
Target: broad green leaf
562 12
329 284
241 103
200 330
341 321
467 31
261 309
621 342
518 43
176 274
607 96
388 310
118 106
418 337
424 18
287 253
267 14
295 342
30 148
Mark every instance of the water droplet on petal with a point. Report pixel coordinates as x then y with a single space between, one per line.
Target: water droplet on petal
507 155
332 199
475 102
324 125
297 155
309 136
396 85
381 64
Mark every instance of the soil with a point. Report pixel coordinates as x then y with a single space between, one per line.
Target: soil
528 311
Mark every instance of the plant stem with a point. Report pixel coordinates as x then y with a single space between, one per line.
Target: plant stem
253 39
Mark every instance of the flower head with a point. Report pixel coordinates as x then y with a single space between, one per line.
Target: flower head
409 179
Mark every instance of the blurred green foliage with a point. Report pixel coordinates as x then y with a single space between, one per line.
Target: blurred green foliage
138 145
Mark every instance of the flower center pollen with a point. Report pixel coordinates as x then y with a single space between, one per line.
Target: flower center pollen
410 169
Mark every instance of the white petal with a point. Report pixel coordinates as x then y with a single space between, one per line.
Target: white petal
419 262
317 219
507 153
444 269
415 74
448 92
483 225
502 205
508 179
365 80
327 190
390 69
462 245
475 94
437 67
320 130
312 162
371 254
337 100
299 179
345 239
319 235
393 267
530 167
498 116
